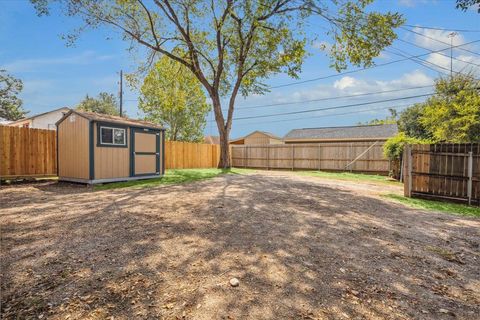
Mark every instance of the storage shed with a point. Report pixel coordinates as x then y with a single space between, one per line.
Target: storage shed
97 148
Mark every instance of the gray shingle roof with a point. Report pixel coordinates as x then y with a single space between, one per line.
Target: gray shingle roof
344 133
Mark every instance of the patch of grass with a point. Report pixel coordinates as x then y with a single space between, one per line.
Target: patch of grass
173 177
432 205
358 177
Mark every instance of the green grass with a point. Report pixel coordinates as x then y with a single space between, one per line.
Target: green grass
454 208
173 177
349 176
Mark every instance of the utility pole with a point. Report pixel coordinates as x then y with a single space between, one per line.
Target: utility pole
451 35
121 93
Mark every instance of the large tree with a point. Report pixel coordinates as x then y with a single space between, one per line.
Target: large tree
173 97
10 104
233 46
410 124
453 113
104 103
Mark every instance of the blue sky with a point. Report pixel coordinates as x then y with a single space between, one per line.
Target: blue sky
55 75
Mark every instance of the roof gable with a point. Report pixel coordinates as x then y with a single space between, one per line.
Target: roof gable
92 116
382 131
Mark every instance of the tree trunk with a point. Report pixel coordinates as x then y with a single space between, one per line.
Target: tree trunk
224 150
223 131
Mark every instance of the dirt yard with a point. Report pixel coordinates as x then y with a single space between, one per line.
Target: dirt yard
301 247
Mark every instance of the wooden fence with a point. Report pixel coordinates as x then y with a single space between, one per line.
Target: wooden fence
27 152
444 171
335 156
182 155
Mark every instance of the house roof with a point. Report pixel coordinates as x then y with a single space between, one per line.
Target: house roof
370 132
112 119
212 140
271 135
40 114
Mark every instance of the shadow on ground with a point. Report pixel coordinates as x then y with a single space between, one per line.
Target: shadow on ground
300 250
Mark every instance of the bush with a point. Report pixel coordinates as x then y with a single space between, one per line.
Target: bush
393 147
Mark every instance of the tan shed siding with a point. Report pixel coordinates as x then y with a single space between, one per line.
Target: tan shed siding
111 162
73 147
275 141
145 142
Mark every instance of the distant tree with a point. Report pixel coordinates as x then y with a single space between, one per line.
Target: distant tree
173 97
410 124
464 5
105 103
453 113
232 47
391 119
10 104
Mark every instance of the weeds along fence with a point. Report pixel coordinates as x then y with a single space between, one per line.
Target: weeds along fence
32 153
183 155
26 152
334 156
443 171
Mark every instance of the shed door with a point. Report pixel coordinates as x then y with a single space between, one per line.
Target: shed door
145 152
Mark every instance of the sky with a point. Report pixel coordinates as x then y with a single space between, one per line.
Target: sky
57 75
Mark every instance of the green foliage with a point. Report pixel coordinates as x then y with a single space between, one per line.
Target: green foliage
10 104
173 97
452 208
464 5
393 147
349 176
173 177
453 113
410 124
391 119
105 103
232 47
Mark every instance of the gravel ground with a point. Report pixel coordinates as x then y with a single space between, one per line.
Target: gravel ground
301 248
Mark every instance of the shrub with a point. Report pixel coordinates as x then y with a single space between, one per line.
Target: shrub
393 147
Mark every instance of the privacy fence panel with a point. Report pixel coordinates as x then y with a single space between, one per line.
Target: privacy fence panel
183 155
447 171
26 152
335 156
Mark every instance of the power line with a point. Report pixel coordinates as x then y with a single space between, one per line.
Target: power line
440 41
422 62
367 68
421 47
332 98
332 108
327 115
441 29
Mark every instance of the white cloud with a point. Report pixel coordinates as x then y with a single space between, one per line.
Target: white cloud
437 39
413 3
346 82
36 64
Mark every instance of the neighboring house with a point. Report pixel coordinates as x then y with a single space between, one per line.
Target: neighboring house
211 140
44 120
364 133
258 137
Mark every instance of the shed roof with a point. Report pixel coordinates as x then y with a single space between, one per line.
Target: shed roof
381 131
112 119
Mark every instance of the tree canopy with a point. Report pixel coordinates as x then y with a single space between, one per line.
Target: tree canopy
172 97
10 104
233 46
453 113
105 103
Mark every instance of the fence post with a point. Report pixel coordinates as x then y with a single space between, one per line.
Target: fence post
293 157
268 157
409 170
470 177
319 158
245 156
